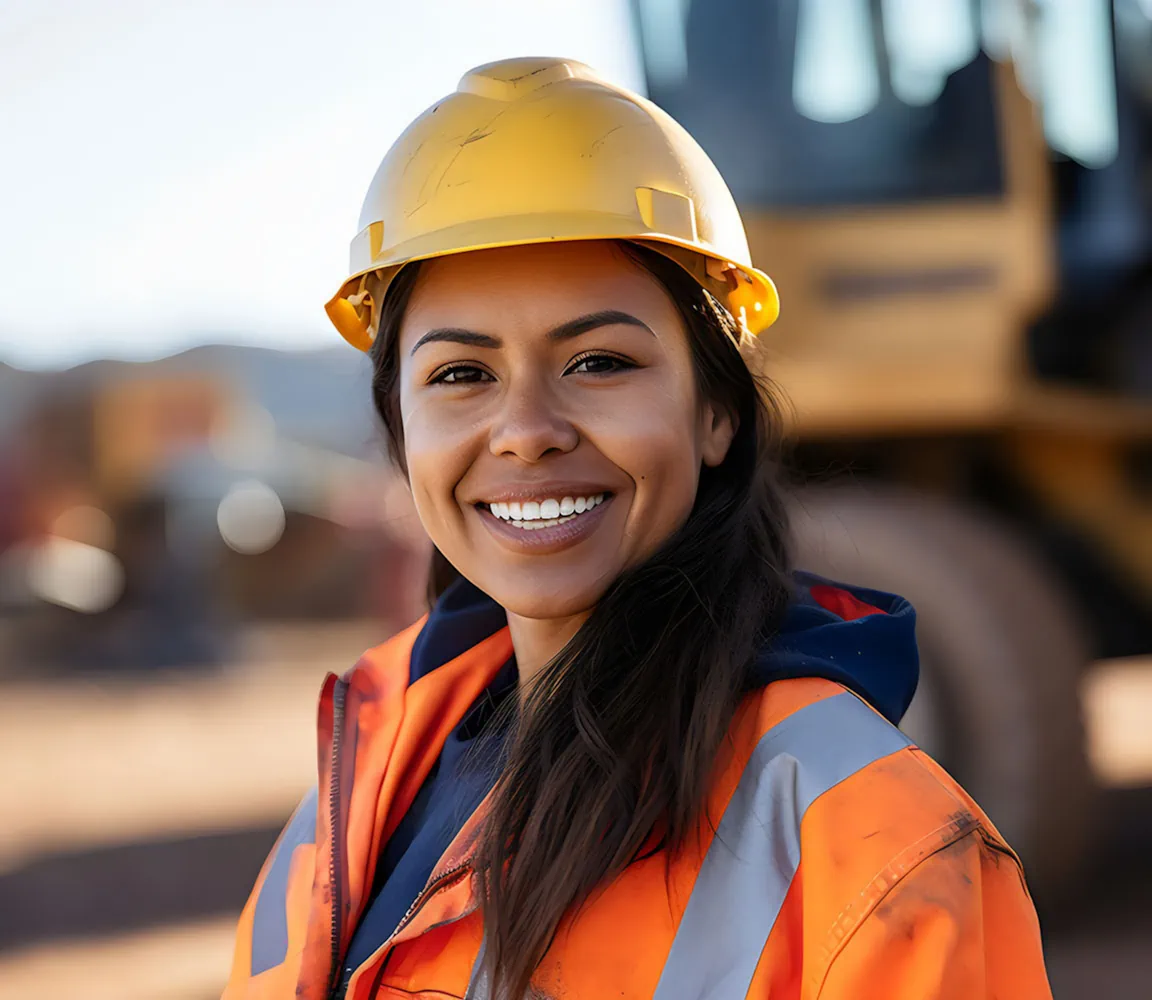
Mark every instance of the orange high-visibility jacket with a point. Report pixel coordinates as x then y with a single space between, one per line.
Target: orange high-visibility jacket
837 861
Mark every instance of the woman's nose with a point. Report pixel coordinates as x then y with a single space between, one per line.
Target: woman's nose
529 425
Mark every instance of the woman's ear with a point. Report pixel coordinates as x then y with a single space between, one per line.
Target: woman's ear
717 428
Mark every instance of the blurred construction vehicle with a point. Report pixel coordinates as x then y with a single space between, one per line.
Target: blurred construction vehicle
966 337
153 512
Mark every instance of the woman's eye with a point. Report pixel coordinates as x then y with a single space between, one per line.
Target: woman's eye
599 364
460 374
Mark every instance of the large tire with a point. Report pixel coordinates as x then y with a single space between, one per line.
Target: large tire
1002 655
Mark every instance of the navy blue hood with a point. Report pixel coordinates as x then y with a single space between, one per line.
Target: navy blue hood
863 639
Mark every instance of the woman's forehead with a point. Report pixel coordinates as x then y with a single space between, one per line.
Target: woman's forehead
536 285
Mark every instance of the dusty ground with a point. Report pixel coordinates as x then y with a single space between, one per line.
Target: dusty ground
126 886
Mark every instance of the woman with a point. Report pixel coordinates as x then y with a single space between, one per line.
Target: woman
628 753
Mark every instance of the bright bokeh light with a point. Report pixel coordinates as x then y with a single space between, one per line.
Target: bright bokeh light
251 517
75 575
836 77
1077 81
182 173
926 43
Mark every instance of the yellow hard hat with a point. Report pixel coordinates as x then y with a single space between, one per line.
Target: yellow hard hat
538 150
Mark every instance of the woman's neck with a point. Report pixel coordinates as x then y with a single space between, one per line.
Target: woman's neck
536 641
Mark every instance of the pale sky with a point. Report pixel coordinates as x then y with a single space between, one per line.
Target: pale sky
174 172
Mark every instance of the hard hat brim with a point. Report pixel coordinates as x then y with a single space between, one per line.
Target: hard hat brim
758 301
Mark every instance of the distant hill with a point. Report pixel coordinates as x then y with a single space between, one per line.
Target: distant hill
319 397
18 390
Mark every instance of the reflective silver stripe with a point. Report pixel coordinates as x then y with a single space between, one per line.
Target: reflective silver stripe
478 981
756 851
270 919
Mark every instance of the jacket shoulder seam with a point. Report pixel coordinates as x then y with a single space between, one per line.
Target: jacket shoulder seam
963 822
959 825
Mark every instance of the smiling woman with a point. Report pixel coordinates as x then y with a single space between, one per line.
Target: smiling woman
630 751
587 394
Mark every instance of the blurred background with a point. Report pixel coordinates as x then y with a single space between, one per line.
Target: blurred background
197 522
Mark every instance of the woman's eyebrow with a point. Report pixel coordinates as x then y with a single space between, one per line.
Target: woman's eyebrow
606 317
565 331
458 336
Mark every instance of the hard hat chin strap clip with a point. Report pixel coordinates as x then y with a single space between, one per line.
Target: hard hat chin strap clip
740 296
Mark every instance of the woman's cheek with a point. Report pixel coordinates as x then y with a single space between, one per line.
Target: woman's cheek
434 432
436 454
654 445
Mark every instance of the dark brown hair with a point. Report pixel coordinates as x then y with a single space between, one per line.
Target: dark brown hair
614 747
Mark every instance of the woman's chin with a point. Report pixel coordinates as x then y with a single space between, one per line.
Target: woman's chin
544 601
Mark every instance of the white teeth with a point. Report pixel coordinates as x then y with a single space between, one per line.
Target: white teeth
543 513
534 525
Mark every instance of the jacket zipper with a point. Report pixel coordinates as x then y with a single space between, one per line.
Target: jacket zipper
430 889
334 859
433 886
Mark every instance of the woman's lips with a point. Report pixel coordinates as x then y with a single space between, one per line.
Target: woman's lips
540 540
